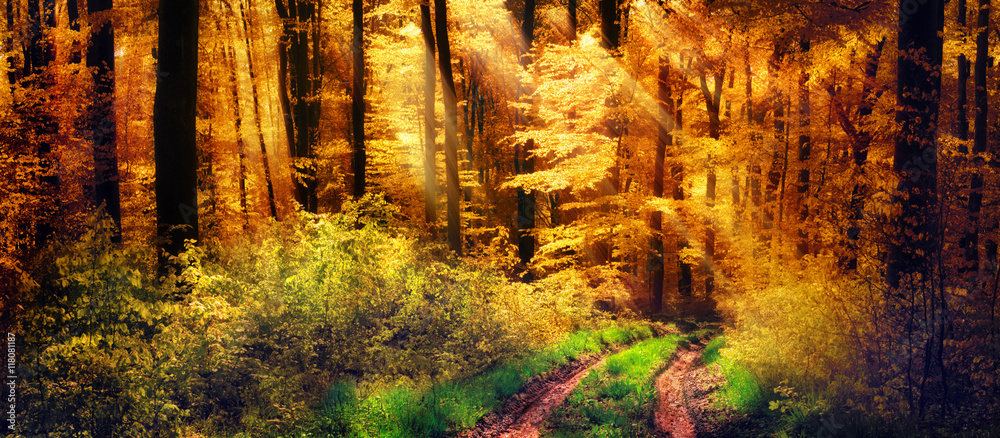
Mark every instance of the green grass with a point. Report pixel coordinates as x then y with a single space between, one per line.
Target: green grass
743 391
450 406
618 399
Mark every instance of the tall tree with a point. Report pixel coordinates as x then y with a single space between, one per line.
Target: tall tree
450 123
915 156
430 133
174 113
101 59
610 23
523 161
971 239
663 140
358 98
805 150
302 122
713 100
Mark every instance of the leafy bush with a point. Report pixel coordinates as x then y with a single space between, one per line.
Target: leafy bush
255 335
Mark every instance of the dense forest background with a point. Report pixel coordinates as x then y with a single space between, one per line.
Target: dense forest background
243 215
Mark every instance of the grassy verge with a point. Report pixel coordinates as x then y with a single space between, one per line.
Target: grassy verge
618 399
743 391
450 406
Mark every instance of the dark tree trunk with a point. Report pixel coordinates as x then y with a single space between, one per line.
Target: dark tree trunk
860 138
971 239
288 42
450 123
915 157
963 82
571 7
101 58
305 101
174 110
610 24
430 149
358 99
524 163
805 152
663 140
713 100
684 277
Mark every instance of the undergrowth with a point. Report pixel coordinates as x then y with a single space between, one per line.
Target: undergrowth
449 406
249 337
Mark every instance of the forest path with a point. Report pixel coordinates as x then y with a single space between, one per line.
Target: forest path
521 416
673 418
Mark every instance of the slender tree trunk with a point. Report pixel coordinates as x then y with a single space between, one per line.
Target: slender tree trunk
684 276
571 7
101 58
174 112
713 100
430 179
860 138
663 140
963 81
257 118
305 99
805 152
358 99
524 163
971 240
450 125
240 147
288 43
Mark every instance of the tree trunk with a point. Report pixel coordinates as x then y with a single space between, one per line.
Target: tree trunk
358 99
971 240
524 163
430 148
174 111
860 138
684 278
571 7
663 140
963 82
257 118
610 24
713 100
450 123
805 152
915 156
101 58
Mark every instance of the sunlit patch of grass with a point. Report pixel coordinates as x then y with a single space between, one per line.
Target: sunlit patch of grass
618 399
743 391
449 406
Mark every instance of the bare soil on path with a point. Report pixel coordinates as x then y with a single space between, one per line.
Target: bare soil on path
521 416
673 417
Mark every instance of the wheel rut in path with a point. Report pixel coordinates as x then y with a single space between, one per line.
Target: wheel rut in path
521 416
673 417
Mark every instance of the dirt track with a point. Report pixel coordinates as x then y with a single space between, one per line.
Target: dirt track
523 413
672 417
